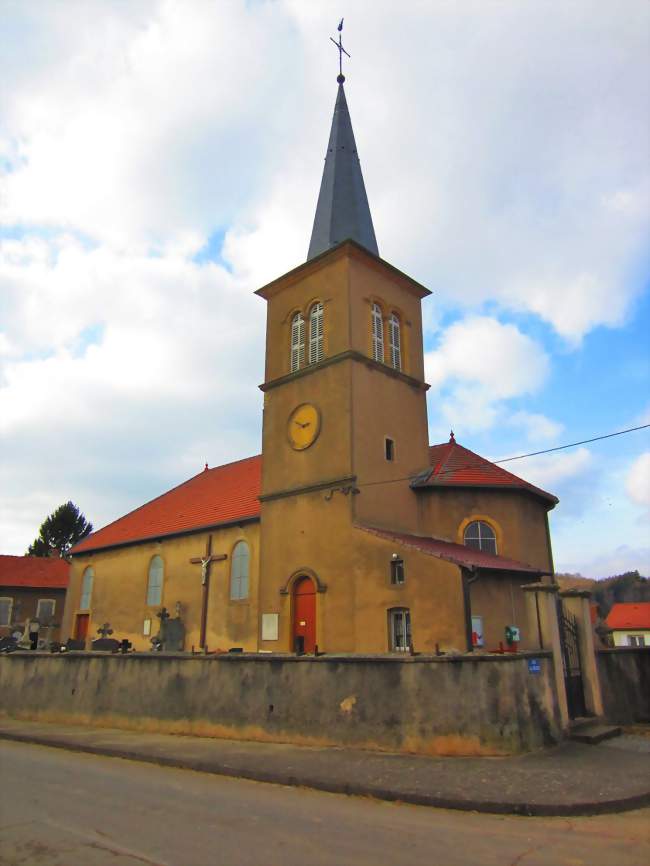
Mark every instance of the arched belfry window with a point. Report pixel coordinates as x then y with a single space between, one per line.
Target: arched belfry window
316 351
395 341
155 581
377 333
480 535
297 342
239 570
86 588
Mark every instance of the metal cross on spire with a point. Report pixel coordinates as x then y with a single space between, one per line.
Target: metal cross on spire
342 51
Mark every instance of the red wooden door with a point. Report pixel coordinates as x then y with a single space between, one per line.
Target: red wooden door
304 614
81 626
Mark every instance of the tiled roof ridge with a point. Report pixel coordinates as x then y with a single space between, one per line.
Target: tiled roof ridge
161 496
440 467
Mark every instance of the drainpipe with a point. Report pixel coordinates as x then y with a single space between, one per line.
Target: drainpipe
470 576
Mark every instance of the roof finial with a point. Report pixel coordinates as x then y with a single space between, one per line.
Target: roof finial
452 438
340 77
206 468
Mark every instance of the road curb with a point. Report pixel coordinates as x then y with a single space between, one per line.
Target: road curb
528 809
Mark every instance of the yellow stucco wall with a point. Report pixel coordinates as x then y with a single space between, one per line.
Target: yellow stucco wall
119 594
519 520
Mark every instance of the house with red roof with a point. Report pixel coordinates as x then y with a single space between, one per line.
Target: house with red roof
630 623
32 588
350 532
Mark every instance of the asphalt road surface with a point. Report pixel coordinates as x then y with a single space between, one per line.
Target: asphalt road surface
61 808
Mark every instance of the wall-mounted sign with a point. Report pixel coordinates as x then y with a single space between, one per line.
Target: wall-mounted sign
534 667
270 626
512 634
477 631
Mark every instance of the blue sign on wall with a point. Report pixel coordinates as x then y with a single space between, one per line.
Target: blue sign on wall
534 666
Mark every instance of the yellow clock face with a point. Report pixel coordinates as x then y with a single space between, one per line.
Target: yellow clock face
304 426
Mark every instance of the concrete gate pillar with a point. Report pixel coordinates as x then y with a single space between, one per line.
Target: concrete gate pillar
576 601
541 606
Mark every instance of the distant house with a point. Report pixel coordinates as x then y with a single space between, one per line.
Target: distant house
630 623
32 587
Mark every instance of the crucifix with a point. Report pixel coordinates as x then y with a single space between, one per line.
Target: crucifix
204 562
342 51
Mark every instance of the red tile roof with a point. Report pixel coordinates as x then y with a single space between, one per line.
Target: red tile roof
630 614
456 466
225 494
34 571
467 557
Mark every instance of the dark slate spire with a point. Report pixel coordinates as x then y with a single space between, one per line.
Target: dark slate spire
342 211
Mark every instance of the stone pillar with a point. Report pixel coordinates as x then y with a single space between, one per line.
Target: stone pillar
576 602
541 605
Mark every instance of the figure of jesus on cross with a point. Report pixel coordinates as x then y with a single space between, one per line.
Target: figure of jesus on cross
205 562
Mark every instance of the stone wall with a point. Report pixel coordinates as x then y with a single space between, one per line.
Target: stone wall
468 705
625 683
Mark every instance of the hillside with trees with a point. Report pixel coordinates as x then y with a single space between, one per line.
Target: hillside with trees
608 591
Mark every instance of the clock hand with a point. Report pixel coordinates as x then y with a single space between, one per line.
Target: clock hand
306 424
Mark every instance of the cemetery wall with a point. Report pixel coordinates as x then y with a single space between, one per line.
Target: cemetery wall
625 684
473 704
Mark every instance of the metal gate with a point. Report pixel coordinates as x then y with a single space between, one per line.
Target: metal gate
569 640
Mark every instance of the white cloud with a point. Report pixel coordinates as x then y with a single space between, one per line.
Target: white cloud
610 562
637 483
504 152
549 471
478 363
538 428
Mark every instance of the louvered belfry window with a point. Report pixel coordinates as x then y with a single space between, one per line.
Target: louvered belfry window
316 351
297 342
395 342
377 333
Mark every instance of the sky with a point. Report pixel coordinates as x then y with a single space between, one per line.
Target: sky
161 159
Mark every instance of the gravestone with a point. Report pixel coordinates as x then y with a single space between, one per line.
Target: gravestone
74 644
105 643
171 635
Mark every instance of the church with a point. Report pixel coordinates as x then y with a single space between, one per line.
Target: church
350 533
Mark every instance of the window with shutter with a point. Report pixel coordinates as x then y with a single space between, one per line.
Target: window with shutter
316 352
155 581
297 342
394 340
399 629
377 333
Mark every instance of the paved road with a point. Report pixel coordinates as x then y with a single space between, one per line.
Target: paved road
61 808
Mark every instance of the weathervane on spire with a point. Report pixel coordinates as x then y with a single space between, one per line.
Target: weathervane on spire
340 78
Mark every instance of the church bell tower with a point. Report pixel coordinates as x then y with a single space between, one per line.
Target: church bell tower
344 393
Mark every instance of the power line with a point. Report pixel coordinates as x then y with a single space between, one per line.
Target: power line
483 460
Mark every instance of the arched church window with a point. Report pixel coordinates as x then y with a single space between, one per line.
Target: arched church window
239 571
297 342
155 582
316 352
86 588
480 536
377 333
395 341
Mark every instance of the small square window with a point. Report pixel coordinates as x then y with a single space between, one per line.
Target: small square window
389 449
397 571
45 610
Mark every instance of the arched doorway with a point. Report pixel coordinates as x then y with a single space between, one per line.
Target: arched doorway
304 615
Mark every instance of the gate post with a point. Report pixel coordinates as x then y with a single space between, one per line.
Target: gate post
576 601
541 605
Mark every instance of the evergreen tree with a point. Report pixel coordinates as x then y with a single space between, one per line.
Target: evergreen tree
60 531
